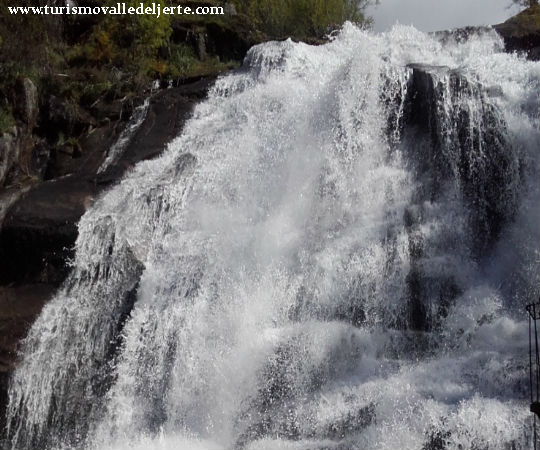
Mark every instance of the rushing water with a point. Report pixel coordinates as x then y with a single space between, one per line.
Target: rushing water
335 254
116 150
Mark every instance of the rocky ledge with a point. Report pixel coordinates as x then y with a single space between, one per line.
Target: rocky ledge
522 32
38 219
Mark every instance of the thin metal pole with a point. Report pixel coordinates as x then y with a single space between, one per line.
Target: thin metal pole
537 355
534 431
530 359
536 372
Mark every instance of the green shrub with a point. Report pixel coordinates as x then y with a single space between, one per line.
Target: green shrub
6 120
25 36
138 35
181 60
301 18
91 92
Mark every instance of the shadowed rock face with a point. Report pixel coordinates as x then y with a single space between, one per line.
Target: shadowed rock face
38 225
522 32
39 228
451 138
16 147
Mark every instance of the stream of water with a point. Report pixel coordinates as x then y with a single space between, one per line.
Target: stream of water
334 254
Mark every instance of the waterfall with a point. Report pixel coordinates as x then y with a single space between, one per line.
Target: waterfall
116 150
334 254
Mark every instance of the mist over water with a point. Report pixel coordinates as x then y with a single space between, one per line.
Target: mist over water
335 254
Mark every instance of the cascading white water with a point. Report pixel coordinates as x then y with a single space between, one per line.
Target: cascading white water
334 254
116 150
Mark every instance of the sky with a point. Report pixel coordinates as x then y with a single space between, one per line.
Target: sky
434 15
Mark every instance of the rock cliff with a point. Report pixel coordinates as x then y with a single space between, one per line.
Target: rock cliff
47 181
522 32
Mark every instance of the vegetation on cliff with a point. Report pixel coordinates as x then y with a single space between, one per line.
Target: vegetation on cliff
522 32
136 48
91 69
301 18
67 87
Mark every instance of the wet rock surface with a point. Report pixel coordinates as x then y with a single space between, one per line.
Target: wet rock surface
522 32
169 109
38 221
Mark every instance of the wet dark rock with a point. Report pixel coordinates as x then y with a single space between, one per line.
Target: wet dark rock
81 158
457 139
38 224
289 377
418 315
437 440
39 232
168 111
95 378
422 102
460 145
352 422
18 307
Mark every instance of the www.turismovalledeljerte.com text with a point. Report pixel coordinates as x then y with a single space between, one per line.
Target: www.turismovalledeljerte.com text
155 9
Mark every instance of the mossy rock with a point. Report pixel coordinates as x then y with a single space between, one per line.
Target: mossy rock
523 24
522 32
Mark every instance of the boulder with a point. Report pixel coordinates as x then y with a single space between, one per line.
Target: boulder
9 197
446 149
522 32
23 156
